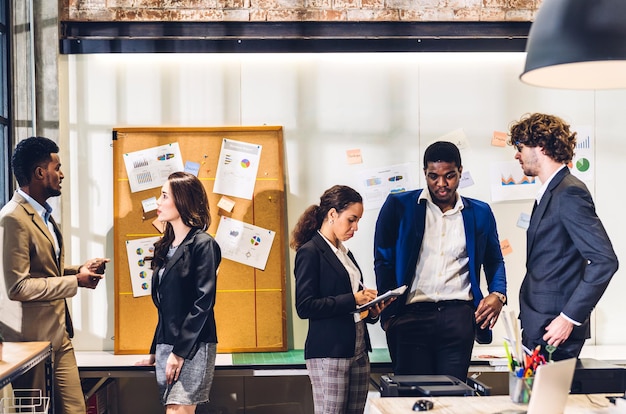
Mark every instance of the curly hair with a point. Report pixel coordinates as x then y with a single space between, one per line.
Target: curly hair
546 131
339 197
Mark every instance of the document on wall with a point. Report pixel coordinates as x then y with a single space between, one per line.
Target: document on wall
244 243
149 168
376 184
508 182
140 252
388 294
237 168
583 163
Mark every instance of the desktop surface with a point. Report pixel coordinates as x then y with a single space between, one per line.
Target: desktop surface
576 404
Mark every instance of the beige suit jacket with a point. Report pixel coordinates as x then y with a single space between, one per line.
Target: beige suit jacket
33 276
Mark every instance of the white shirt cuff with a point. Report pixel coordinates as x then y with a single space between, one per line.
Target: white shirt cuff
570 319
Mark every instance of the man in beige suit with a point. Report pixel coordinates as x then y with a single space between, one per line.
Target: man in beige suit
34 272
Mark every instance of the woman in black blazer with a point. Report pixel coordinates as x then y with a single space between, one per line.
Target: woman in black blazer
329 286
183 289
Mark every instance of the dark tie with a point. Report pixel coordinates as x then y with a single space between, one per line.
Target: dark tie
534 208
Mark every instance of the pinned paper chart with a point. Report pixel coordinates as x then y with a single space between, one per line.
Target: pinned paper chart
139 252
149 168
244 243
377 183
508 182
237 167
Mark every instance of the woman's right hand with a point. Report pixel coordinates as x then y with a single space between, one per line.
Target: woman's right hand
146 362
366 295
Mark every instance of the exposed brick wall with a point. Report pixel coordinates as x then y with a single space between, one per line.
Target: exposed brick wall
298 10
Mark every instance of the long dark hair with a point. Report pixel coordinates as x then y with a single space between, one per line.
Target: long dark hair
339 197
192 204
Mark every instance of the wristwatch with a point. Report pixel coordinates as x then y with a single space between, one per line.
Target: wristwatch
500 296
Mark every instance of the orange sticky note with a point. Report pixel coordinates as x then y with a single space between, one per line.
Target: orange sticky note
505 246
499 139
159 225
354 156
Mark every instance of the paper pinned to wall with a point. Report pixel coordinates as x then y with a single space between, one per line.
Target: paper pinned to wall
244 243
237 168
508 182
376 184
457 137
583 163
149 168
138 251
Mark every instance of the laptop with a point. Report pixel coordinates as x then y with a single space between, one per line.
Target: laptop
550 388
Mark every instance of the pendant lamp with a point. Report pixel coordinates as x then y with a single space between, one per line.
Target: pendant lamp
577 44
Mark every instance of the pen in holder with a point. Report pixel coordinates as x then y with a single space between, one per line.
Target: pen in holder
520 388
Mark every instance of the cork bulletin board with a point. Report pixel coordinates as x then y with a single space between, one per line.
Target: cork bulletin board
250 304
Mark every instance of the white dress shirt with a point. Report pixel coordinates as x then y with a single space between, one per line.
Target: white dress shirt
353 270
442 271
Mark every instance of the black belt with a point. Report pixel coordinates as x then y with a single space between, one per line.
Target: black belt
432 306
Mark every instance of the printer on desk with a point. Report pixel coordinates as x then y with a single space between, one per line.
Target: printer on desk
424 386
597 377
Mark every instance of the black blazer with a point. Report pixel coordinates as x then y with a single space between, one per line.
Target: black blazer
185 297
570 259
324 297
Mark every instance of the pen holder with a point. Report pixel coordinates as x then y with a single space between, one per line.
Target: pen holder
520 388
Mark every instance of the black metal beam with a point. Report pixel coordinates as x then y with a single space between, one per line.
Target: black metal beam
291 37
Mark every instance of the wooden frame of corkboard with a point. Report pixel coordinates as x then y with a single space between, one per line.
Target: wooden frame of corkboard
250 305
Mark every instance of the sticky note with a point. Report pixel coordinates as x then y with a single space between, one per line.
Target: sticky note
149 204
523 221
505 246
159 225
226 204
499 139
466 179
354 156
192 167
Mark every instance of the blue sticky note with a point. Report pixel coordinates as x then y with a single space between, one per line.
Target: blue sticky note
192 167
523 221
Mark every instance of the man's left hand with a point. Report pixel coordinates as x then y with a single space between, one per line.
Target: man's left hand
558 331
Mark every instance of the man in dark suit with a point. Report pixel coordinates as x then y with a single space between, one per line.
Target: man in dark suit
34 272
436 242
569 257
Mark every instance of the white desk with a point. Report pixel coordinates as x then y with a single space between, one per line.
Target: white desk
576 404
493 358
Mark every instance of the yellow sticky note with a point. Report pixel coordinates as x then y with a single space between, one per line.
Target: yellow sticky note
354 156
226 204
499 139
505 246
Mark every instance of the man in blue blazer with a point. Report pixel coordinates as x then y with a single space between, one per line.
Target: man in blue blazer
569 257
436 242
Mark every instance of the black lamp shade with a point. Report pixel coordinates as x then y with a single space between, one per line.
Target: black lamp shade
577 44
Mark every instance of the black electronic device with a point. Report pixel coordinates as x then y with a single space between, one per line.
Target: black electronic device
423 386
423 405
592 376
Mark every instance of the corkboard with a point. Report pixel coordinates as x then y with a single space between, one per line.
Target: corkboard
250 305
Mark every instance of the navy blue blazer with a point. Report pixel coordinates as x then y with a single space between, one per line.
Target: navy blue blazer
569 258
398 239
185 296
324 296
